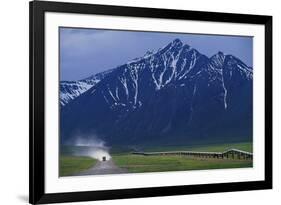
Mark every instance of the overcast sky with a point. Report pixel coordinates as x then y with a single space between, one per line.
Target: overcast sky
84 52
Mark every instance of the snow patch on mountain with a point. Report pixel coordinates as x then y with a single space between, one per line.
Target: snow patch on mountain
175 62
69 90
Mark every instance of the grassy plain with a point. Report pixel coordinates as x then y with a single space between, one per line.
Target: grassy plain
245 146
69 165
139 163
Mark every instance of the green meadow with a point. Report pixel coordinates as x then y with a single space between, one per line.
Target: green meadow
123 158
245 146
139 163
69 165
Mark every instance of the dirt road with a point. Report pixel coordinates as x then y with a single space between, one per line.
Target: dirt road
103 167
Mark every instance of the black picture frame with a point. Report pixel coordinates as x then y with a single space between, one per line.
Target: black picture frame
37 9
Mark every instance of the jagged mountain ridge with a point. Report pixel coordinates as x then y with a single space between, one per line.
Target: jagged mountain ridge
165 96
69 90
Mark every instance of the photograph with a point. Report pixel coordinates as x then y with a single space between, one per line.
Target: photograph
134 101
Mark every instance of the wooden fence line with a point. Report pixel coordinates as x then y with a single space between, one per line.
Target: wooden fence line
231 153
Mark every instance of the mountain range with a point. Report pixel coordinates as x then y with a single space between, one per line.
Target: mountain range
173 96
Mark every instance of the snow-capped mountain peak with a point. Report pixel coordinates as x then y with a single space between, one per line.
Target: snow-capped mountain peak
172 94
217 60
69 90
173 64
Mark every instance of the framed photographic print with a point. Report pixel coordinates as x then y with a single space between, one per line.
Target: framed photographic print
140 102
